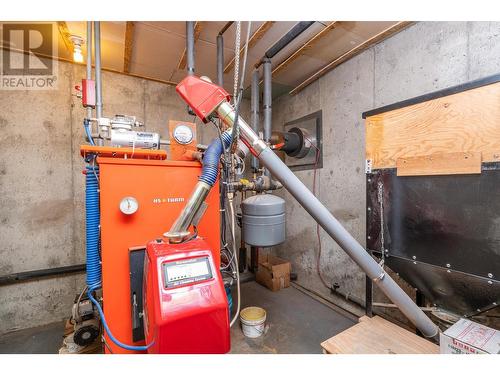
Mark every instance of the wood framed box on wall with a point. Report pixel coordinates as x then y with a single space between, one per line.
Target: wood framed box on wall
433 196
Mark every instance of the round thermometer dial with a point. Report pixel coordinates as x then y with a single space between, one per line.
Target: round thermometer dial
183 134
129 205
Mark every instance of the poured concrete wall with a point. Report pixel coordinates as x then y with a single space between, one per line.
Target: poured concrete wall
42 187
423 58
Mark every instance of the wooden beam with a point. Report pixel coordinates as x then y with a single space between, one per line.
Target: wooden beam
65 34
440 164
129 40
256 36
351 53
305 46
63 59
197 31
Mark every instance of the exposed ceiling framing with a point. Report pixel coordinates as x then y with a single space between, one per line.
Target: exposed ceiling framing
156 50
256 36
65 35
351 53
307 45
129 41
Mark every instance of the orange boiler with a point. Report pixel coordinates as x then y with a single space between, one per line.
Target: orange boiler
160 188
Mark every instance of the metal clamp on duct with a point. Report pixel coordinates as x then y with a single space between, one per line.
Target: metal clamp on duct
207 99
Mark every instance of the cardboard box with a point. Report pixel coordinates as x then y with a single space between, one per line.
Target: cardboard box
273 272
466 337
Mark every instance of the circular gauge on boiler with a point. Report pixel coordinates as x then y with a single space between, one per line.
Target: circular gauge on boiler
183 134
129 205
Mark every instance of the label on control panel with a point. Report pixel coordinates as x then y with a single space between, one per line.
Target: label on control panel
186 271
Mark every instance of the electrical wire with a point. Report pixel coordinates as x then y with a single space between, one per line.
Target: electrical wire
77 311
234 257
231 208
91 289
318 235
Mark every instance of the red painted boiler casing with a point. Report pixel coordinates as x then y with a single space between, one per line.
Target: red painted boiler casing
185 304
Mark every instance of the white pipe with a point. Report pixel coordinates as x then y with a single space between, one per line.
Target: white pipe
89 60
98 82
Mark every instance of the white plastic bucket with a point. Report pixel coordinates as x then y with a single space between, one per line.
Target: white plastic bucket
253 321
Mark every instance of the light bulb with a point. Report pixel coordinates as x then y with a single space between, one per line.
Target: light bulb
77 54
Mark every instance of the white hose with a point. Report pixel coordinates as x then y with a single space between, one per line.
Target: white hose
233 237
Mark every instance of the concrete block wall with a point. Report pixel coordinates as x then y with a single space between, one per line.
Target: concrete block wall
425 57
42 187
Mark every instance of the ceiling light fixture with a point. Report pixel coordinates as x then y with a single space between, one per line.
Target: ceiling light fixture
77 48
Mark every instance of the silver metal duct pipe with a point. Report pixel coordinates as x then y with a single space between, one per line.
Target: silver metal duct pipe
254 104
328 222
268 99
98 82
180 229
89 60
190 47
220 60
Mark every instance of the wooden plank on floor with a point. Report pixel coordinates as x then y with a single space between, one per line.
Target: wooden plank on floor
378 336
440 164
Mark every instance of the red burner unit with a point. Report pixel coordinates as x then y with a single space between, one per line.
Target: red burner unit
185 304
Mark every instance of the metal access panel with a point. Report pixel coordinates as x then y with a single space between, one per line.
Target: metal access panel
441 234
313 124
136 258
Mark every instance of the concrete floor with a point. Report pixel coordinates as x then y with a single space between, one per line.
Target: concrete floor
45 339
297 323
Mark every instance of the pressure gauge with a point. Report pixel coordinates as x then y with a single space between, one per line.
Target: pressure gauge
129 205
183 134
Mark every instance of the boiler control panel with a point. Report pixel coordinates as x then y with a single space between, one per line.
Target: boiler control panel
186 271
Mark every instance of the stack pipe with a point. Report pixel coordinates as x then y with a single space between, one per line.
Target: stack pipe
207 99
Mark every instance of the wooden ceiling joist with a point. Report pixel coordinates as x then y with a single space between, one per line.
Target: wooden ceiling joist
197 32
65 34
307 45
129 41
256 36
351 53
57 58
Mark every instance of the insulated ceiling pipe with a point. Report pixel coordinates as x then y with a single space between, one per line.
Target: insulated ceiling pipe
206 98
254 104
220 60
285 40
268 99
89 60
98 82
190 47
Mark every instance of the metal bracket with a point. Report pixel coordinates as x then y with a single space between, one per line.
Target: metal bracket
379 278
368 166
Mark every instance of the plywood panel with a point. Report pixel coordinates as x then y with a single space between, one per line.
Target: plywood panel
378 336
440 164
468 121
